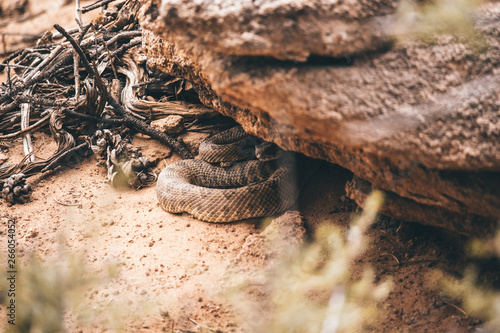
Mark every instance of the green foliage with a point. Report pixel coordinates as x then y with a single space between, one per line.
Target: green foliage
432 18
312 289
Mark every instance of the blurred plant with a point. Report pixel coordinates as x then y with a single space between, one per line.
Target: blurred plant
45 291
53 294
311 288
478 301
426 20
481 248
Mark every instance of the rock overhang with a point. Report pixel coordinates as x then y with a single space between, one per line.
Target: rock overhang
418 120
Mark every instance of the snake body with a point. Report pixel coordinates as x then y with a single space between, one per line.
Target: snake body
244 190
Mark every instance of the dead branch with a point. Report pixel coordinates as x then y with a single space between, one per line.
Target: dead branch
63 85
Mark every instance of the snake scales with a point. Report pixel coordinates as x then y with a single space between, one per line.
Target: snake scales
211 193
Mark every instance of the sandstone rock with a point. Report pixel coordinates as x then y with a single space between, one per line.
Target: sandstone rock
409 210
284 29
419 121
172 124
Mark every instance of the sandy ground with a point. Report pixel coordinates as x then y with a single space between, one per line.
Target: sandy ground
171 267
173 264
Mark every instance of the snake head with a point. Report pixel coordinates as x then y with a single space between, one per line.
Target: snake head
267 151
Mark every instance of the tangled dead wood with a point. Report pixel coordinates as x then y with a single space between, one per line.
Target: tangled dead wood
70 82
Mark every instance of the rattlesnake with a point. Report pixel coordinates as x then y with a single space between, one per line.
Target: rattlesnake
212 193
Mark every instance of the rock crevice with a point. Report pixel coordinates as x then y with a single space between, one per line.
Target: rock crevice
420 121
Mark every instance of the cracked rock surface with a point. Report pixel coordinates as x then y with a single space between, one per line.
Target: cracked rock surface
420 121
284 29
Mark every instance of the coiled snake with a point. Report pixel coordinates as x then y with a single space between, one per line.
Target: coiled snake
251 188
